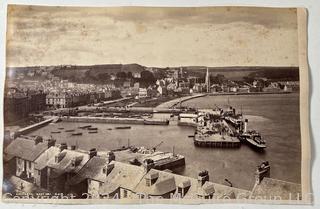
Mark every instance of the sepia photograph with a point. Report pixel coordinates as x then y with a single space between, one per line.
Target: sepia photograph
155 105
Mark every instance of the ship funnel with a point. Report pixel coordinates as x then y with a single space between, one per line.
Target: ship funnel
245 125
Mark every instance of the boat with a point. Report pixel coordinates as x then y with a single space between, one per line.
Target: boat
84 127
93 132
167 160
77 134
123 127
155 122
60 128
69 130
55 132
254 139
109 129
135 161
92 129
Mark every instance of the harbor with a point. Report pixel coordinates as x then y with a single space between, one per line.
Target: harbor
109 137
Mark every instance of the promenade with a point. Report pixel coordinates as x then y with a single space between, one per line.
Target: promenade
174 102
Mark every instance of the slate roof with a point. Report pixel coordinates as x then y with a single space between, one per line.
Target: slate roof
42 161
277 188
26 149
164 184
92 170
191 186
122 175
65 164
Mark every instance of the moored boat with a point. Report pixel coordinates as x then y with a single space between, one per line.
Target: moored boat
92 128
84 127
254 139
123 127
77 134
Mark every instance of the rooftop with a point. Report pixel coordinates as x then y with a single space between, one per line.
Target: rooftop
25 148
274 188
92 170
70 161
122 175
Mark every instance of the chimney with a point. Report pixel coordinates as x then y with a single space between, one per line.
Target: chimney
245 125
73 147
203 176
63 146
151 177
234 111
263 170
148 164
37 139
183 187
92 152
51 142
111 156
108 168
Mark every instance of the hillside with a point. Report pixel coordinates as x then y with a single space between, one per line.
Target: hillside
103 73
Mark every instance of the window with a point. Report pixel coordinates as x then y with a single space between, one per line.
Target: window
125 193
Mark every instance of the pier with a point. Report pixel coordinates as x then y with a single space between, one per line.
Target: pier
217 141
33 127
141 121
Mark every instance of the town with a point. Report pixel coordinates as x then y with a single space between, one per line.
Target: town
43 99
35 89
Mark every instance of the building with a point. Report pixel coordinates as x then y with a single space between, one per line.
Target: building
59 100
24 152
121 180
19 104
64 165
91 177
270 188
143 92
15 107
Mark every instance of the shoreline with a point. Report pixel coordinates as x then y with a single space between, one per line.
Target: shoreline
174 102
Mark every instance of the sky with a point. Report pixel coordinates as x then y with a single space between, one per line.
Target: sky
154 37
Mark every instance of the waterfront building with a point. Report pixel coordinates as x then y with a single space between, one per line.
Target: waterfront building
21 154
59 99
18 104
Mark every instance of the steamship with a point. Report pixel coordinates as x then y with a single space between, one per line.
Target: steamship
254 139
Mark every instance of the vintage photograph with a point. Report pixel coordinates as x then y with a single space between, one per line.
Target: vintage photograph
131 104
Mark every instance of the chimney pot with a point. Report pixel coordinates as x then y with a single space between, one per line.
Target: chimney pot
203 176
263 170
92 152
63 146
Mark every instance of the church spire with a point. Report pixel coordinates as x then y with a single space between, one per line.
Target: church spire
208 80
